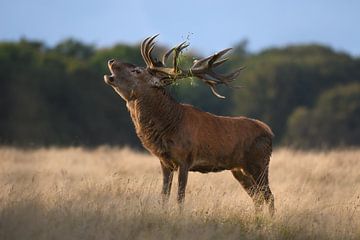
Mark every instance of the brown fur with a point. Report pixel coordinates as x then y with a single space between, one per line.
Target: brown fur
187 139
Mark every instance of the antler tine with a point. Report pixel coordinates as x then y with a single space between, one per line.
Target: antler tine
166 55
177 51
143 50
204 69
224 79
211 60
146 48
218 63
149 48
212 84
215 93
232 76
199 63
220 79
218 55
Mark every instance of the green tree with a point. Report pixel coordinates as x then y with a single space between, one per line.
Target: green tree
333 121
74 49
57 95
277 81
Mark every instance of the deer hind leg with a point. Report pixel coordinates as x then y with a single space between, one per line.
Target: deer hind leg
261 177
258 159
250 186
265 188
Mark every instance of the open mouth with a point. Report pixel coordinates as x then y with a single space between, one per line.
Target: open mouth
109 79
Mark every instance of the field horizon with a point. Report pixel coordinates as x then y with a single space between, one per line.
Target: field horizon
114 193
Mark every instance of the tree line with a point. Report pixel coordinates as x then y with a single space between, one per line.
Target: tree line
308 94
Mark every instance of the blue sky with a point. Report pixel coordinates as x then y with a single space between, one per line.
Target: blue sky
211 25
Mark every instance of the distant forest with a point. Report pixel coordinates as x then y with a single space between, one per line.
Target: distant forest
308 94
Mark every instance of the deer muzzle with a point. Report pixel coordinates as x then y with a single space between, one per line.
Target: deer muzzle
109 79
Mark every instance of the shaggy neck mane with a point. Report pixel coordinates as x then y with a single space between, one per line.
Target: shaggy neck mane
156 116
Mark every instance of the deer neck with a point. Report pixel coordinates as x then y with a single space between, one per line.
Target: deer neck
156 116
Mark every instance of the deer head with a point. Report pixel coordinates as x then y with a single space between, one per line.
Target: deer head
129 80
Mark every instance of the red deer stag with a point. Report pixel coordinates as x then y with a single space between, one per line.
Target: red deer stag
185 138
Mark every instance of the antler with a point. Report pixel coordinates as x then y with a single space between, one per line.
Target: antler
202 69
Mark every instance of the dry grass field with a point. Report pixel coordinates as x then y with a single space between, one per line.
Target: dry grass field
111 193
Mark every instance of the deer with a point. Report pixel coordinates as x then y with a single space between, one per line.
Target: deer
185 138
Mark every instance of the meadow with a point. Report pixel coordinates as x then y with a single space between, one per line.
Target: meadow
113 193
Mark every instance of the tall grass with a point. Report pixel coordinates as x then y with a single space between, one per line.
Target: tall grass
111 193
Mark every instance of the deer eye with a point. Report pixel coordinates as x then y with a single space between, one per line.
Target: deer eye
136 70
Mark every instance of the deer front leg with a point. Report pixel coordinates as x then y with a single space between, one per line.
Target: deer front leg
167 181
182 181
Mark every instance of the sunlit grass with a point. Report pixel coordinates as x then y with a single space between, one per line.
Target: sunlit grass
111 193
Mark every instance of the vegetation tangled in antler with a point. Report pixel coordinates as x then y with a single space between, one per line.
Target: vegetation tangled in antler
202 69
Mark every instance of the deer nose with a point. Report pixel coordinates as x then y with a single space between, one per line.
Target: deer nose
111 61
111 78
